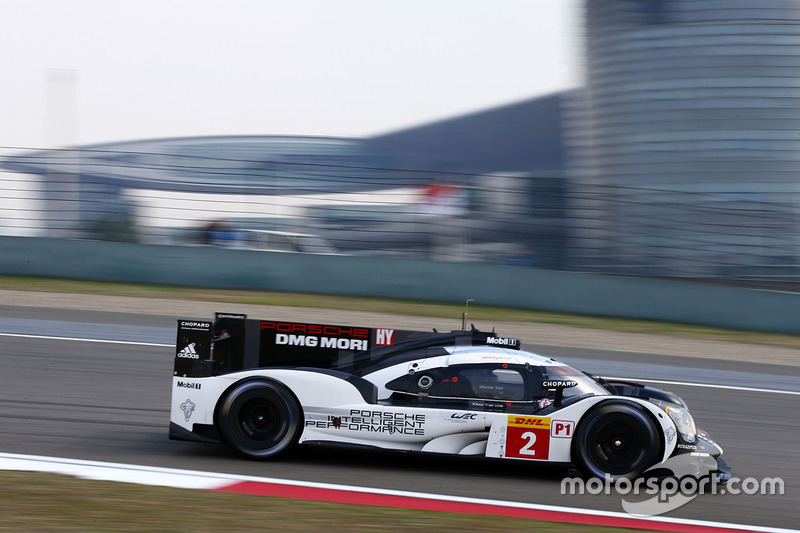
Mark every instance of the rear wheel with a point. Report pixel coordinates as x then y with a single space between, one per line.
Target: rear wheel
616 441
260 419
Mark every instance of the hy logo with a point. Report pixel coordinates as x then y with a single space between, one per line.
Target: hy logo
188 408
384 337
688 473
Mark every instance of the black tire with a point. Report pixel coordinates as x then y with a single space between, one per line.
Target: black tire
616 440
260 419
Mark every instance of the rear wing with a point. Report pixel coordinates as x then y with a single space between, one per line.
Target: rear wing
233 342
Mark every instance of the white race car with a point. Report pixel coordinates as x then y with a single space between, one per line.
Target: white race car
264 386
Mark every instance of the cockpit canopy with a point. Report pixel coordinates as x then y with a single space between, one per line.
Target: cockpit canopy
514 378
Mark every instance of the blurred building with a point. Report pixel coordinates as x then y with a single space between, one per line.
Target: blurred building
686 138
100 191
676 158
375 194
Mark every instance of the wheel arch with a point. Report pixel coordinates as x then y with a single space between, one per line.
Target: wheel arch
583 420
255 379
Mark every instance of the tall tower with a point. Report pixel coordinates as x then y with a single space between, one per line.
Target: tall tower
686 139
61 188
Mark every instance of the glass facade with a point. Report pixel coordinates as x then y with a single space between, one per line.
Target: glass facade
685 139
262 164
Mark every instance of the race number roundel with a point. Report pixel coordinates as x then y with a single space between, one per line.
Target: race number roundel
528 437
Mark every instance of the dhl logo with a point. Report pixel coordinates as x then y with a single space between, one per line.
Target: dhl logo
529 422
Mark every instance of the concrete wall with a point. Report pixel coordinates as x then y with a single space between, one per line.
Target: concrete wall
490 285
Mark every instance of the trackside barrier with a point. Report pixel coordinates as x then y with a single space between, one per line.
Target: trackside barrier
406 279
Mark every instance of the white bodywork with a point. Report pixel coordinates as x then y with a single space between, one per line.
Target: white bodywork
335 411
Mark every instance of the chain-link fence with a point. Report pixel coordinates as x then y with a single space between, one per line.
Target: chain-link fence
308 205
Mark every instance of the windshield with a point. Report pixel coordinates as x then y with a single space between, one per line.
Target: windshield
586 383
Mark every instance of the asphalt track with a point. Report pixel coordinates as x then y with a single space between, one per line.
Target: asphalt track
108 401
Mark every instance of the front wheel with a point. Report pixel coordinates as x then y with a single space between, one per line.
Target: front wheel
260 419
616 441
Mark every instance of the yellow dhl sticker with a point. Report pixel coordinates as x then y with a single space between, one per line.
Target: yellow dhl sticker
528 422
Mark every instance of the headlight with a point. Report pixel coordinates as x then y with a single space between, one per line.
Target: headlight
683 421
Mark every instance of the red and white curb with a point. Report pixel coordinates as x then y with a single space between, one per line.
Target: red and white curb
302 490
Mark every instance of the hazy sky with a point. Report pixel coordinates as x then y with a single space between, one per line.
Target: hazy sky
162 68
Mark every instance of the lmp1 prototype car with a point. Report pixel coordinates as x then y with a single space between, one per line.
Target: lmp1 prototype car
263 386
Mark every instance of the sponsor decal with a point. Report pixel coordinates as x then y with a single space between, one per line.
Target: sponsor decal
188 408
189 352
687 447
185 324
669 433
384 337
189 385
528 437
529 421
316 329
479 405
230 315
555 384
544 402
502 341
562 429
374 422
312 341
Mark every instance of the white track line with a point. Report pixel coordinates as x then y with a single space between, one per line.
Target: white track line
193 479
705 385
133 343
662 382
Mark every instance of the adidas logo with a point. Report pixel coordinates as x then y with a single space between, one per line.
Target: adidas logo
189 352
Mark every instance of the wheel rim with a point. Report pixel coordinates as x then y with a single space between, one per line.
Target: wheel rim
616 447
260 420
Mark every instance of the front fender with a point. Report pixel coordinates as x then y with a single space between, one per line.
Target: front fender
554 431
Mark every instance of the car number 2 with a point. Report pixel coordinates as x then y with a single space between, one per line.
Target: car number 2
528 448
527 443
